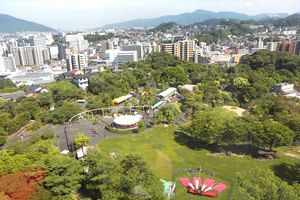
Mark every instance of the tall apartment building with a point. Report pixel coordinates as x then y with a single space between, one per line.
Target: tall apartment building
16 54
273 46
76 61
184 50
288 46
28 55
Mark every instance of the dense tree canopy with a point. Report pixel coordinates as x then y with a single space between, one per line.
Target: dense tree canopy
260 184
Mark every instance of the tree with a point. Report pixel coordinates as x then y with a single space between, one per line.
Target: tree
125 178
208 125
262 184
276 134
240 82
12 163
61 114
3 136
168 114
235 131
45 100
174 76
81 140
64 175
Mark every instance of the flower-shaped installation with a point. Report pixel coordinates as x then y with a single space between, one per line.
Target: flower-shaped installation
206 188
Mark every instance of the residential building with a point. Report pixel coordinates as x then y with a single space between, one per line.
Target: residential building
273 46
184 49
77 61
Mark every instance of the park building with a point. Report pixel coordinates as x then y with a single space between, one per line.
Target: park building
168 93
127 122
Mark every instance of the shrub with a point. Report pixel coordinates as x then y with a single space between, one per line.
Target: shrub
36 125
47 135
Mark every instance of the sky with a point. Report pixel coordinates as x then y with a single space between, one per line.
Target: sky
75 14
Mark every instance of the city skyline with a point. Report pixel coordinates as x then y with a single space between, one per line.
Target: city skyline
78 14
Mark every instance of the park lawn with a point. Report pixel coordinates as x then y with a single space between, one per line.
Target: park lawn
169 160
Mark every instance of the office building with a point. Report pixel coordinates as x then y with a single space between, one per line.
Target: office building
39 41
138 48
125 57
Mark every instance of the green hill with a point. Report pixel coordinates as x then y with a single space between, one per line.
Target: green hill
10 24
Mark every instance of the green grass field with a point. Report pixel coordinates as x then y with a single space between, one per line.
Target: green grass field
169 159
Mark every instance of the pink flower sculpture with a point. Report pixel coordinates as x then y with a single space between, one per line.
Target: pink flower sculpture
205 188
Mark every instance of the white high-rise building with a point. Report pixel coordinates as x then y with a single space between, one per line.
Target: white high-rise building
7 64
2 67
260 43
53 52
77 42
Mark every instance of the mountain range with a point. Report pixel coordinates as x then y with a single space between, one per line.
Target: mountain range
193 17
10 24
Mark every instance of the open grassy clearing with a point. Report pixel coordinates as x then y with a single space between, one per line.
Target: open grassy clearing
169 159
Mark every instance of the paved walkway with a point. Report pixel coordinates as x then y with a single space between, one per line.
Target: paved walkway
84 126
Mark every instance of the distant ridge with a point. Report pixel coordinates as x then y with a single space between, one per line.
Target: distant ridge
192 17
10 24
